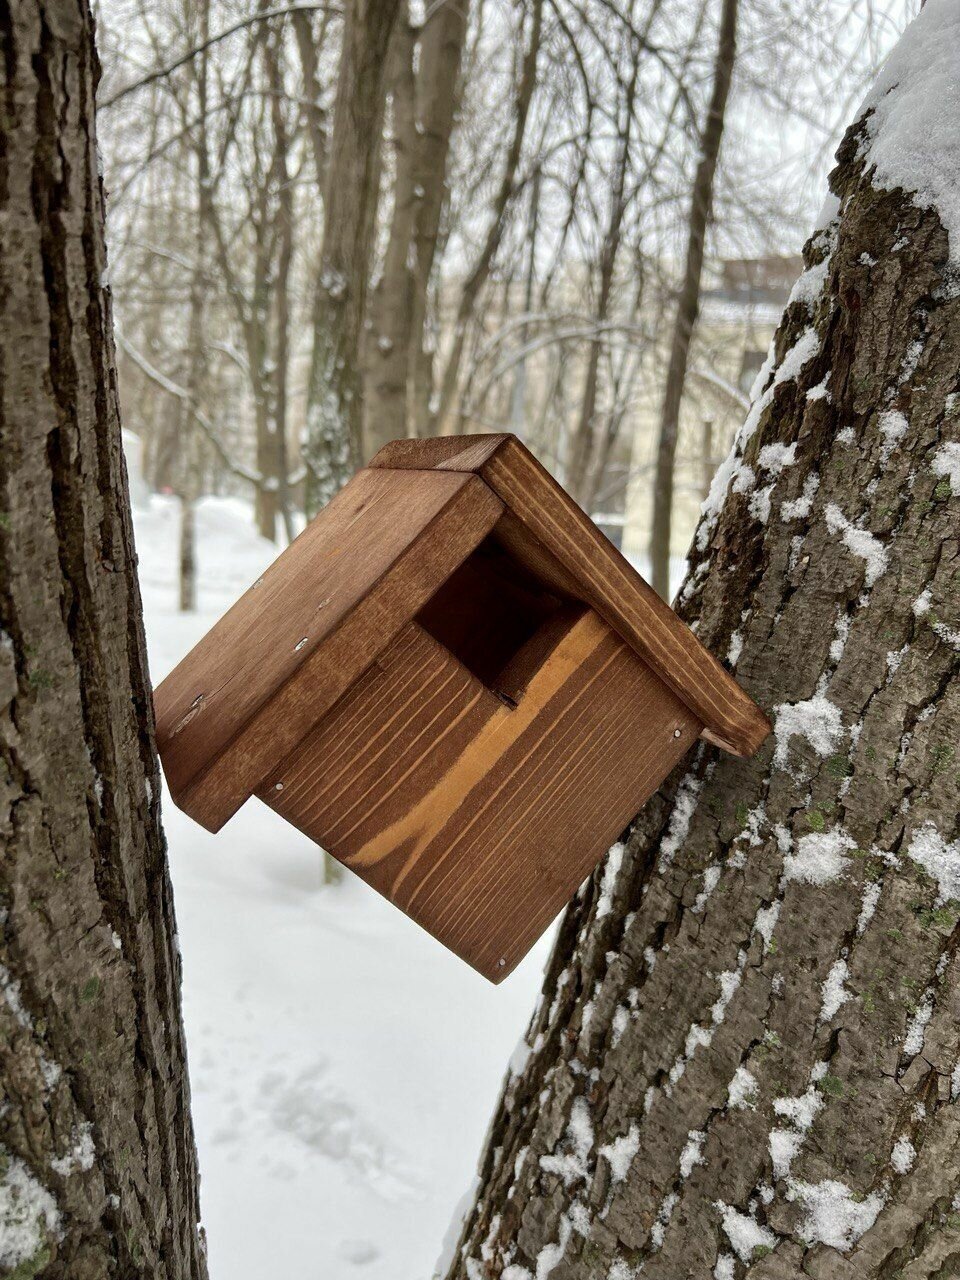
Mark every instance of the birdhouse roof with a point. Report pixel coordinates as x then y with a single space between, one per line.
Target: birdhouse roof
295 642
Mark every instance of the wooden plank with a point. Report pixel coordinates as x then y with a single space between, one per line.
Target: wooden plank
289 648
476 818
555 529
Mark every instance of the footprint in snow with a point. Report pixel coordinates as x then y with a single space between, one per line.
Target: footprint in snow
359 1252
316 1114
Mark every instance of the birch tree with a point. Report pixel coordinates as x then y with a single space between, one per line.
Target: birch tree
745 1057
98 1169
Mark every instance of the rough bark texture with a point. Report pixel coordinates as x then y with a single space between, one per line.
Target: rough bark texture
745 1056
98 1171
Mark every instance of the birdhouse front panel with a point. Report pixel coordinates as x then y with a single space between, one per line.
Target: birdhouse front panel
454 684
497 801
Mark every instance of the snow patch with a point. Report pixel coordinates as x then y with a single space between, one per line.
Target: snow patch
680 818
775 457
799 508
913 1041
915 100
939 859
766 921
759 506
809 285
868 905
742 1090
903 1155
784 1145
710 879
800 1110
946 462
619 1153
610 872
573 1165
833 990
820 857
28 1214
893 427
860 542
744 1232
841 634
10 990
834 1217
817 719
692 1153
664 1214
80 1156
725 1268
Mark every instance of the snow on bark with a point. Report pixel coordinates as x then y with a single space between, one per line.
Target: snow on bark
911 115
29 1218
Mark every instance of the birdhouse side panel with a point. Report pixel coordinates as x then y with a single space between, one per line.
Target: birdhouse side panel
345 597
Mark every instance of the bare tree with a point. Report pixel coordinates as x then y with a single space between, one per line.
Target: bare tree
424 95
98 1170
688 302
334 397
744 1060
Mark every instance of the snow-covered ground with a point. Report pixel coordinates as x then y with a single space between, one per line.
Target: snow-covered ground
344 1065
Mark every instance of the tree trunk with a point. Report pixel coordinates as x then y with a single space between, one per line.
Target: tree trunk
189 453
334 406
745 1057
98 1173
443 418
706 457
426 89
581 446
688 303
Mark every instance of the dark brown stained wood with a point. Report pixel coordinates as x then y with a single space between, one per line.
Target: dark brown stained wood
480 819
549 525
262 678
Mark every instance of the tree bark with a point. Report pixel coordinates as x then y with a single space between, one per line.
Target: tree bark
688 303
745 1056
98 1173
425 89
334 405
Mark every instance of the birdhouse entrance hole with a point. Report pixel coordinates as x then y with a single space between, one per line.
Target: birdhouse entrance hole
497 618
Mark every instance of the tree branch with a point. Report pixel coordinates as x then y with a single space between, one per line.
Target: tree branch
309 6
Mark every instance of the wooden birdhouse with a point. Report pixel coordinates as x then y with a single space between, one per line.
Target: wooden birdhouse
454 684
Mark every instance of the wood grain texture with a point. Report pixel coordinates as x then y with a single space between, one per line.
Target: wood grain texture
554 528
269 670
480 819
